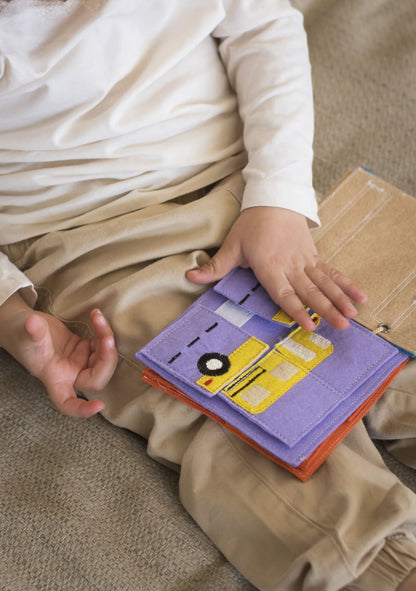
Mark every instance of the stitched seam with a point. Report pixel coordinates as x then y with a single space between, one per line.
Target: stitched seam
301 515
360 226
396 536
52 311
311 424
393 388
326 428
234 195
341 211
375 314
152 350
257 420
397 290
404 316
340 395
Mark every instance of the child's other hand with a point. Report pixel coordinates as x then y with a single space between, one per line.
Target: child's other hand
276 243
61 360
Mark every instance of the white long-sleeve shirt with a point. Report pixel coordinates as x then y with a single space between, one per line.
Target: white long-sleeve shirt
108 106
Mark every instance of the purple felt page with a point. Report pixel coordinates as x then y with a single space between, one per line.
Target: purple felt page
296 454
241 287
337 370
357 356
197 333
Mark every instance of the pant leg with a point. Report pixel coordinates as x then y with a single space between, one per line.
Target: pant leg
133 268
393 418
351 521
282 534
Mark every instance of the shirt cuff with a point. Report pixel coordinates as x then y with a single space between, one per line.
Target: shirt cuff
13 280
298 198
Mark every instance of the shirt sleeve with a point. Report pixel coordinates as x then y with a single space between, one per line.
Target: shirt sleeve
264 49
12 280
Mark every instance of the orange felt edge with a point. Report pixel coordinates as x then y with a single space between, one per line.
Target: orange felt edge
316 458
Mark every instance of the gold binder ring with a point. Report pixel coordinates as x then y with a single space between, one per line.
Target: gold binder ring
382 328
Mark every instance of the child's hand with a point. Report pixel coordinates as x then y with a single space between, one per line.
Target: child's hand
277 245
61 360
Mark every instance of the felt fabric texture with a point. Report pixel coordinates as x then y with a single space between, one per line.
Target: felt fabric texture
336 378
66 524
304 470
368 228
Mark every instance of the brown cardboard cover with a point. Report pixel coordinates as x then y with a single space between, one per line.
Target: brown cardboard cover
369 233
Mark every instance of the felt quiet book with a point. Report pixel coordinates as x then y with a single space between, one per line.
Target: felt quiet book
293 394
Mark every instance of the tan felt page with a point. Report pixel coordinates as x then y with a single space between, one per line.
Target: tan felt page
369 233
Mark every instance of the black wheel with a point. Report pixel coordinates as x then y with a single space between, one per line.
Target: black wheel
213 364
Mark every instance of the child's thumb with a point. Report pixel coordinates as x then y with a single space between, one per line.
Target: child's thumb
215 269
35 327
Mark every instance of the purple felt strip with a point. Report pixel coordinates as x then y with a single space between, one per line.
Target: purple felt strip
241 287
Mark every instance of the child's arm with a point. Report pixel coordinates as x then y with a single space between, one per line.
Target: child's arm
62 361
277 245
264 49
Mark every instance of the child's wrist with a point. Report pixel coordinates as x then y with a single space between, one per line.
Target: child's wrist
9 311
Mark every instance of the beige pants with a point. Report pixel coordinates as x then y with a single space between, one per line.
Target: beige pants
352 525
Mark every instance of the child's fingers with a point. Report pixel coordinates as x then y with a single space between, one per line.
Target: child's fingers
324 296
36 327
103 359
343 282
64 398
328 301
102 364
82 409
100 324
226 259
328 292
283 293
292 293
